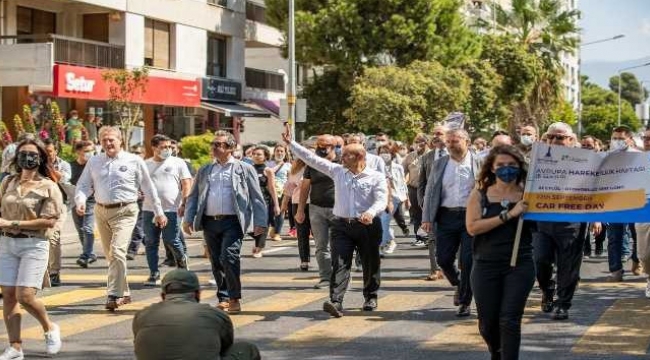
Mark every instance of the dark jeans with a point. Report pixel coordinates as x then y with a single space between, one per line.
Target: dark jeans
292 220
224 240
398 215
346 237
85 226
562 244
617 235
501 292
415 209
137 236
599 241
278 221
170 235
303 231
451 234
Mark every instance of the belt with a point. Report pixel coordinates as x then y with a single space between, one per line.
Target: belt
454 209
347 220
115 205
16 236
218 217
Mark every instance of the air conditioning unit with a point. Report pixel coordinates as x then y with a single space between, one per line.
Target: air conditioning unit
190 111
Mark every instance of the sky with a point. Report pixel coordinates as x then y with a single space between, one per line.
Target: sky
603 19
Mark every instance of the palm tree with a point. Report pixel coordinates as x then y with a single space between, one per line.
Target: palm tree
547 30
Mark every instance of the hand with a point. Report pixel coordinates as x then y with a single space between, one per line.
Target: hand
258 230
407 204
366 218
81 209
426 227
161 221
286 135
299 217
277 210
520 208
597 228
188 228
181 210
391 207
4 223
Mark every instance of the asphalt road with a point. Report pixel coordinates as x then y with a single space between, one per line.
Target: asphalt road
282 312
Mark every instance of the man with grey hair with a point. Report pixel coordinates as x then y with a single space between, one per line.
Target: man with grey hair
560 243
451 180
114 178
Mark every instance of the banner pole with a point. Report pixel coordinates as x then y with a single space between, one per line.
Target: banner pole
515 246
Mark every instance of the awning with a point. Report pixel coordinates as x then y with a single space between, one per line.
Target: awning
270 105
237 110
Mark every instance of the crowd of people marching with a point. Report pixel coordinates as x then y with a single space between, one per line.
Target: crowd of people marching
339 193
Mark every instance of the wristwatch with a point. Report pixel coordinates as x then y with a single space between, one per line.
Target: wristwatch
503 215
15 224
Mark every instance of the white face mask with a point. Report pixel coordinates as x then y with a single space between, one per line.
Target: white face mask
166 153
279 158
618 145
403 153
527 140
386 157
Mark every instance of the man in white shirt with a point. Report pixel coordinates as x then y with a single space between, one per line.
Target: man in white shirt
452 178
114 177
172 180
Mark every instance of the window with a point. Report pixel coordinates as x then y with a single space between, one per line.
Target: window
216 56
223 3
255 13
32 21
156 43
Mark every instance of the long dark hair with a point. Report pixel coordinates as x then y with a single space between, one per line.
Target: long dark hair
44 169
487 177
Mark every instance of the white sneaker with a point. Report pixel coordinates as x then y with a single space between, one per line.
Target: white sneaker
392 245
53 340
647 289
12 354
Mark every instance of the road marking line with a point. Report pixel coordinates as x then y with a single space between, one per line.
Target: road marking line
353 324
70 297
622 329
282 302
464 334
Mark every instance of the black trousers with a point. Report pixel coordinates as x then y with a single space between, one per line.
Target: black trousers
303 230
562 244
398 215
415 209
500 292
451 234
599 241
345 238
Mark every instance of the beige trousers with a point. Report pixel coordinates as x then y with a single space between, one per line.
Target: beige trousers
643 245
115 227
54 262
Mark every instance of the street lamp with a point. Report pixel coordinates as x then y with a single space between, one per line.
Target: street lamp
619 36
291 95
619 86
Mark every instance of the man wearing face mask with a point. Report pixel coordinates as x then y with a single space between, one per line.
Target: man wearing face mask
527 138
361 196
412 169
338 149
621 236
319 189
173 182
560 243
85 224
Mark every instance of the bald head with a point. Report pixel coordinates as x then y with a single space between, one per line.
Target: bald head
353 155
501 140
325 140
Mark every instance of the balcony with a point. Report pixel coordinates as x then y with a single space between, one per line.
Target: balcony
75 51
265 80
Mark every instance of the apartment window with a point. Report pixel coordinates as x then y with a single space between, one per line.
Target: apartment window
33 21
255 12
223 3
216 56
157 43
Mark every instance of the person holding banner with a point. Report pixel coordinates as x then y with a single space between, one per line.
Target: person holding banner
643 232
500 291
560 243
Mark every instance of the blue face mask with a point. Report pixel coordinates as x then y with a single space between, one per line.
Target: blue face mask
338 151
507 174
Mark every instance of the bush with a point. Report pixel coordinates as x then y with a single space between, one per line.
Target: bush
67 153
196 148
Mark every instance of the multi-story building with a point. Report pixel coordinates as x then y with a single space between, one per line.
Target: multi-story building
195 51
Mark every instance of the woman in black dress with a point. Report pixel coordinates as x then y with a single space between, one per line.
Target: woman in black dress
500 291
266 178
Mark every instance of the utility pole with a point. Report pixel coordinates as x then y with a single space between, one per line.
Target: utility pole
291 95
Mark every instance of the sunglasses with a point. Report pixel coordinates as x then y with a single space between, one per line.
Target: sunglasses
557 137
218 144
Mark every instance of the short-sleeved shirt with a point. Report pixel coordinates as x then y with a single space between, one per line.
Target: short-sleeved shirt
43 201
322 188
167 176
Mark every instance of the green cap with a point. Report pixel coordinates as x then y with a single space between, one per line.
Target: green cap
180 281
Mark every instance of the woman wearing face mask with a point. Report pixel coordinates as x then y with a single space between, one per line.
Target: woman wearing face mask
280 168
31 204
266 178
500 291
397 183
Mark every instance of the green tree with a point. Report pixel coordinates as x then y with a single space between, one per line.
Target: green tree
631 90
327 97
563 111
125 87
403 101
484 107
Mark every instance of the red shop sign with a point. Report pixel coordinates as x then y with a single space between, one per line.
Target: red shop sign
87 83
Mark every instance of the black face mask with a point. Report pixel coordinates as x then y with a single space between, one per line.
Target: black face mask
322 152
28 160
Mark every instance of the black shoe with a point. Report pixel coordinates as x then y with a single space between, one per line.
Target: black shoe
55 280
153 280
463 311
370 304
182 262
406 231
333 308
169 262
323 284
92 259
83 263
547 301
561 314
131 255
457 296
